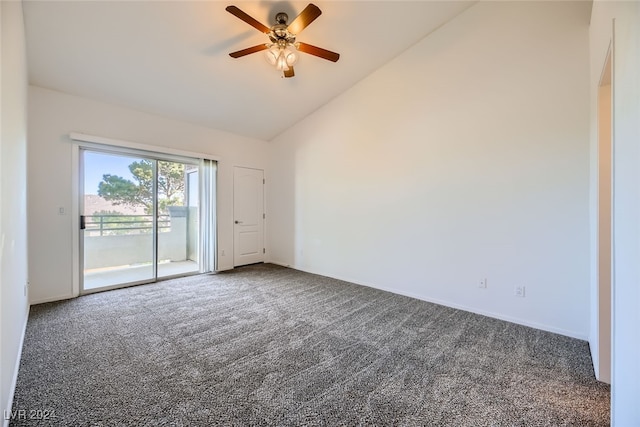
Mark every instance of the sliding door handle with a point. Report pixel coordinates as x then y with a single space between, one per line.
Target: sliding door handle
83 223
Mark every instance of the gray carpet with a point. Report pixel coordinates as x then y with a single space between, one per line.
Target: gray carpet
266 345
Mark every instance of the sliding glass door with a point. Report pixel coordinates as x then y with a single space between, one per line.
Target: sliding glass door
140 219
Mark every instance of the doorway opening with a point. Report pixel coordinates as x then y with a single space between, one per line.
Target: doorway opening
604 223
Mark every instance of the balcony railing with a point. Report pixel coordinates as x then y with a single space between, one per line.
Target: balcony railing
117 225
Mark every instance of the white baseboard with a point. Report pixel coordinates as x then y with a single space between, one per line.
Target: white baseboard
450 304
14 380
499 316
282 264
53 299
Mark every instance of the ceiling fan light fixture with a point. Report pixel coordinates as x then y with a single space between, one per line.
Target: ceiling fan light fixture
282 56
282 52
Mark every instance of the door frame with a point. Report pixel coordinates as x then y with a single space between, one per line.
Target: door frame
604 220
82 140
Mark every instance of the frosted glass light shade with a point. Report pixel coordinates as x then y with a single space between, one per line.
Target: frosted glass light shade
272 54
291 55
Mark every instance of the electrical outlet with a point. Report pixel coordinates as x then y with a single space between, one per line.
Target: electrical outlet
482 284
519 291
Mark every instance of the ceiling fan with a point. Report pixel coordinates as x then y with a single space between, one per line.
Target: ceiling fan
282 51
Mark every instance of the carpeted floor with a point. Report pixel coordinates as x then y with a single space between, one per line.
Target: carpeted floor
267 345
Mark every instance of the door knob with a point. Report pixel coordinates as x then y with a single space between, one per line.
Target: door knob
238 222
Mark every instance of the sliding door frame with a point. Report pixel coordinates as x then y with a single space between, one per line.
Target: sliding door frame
113 146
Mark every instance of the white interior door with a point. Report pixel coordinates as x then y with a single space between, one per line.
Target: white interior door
248 212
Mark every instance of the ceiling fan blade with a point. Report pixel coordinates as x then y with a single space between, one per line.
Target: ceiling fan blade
247 51
306 17
249 20
318 51
289 73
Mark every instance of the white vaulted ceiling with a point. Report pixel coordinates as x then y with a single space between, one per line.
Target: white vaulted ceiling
171 57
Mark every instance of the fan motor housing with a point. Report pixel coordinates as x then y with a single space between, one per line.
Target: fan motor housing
282 18
279 31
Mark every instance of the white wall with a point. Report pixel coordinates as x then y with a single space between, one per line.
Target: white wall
52 116
625 391
13 197
466 157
